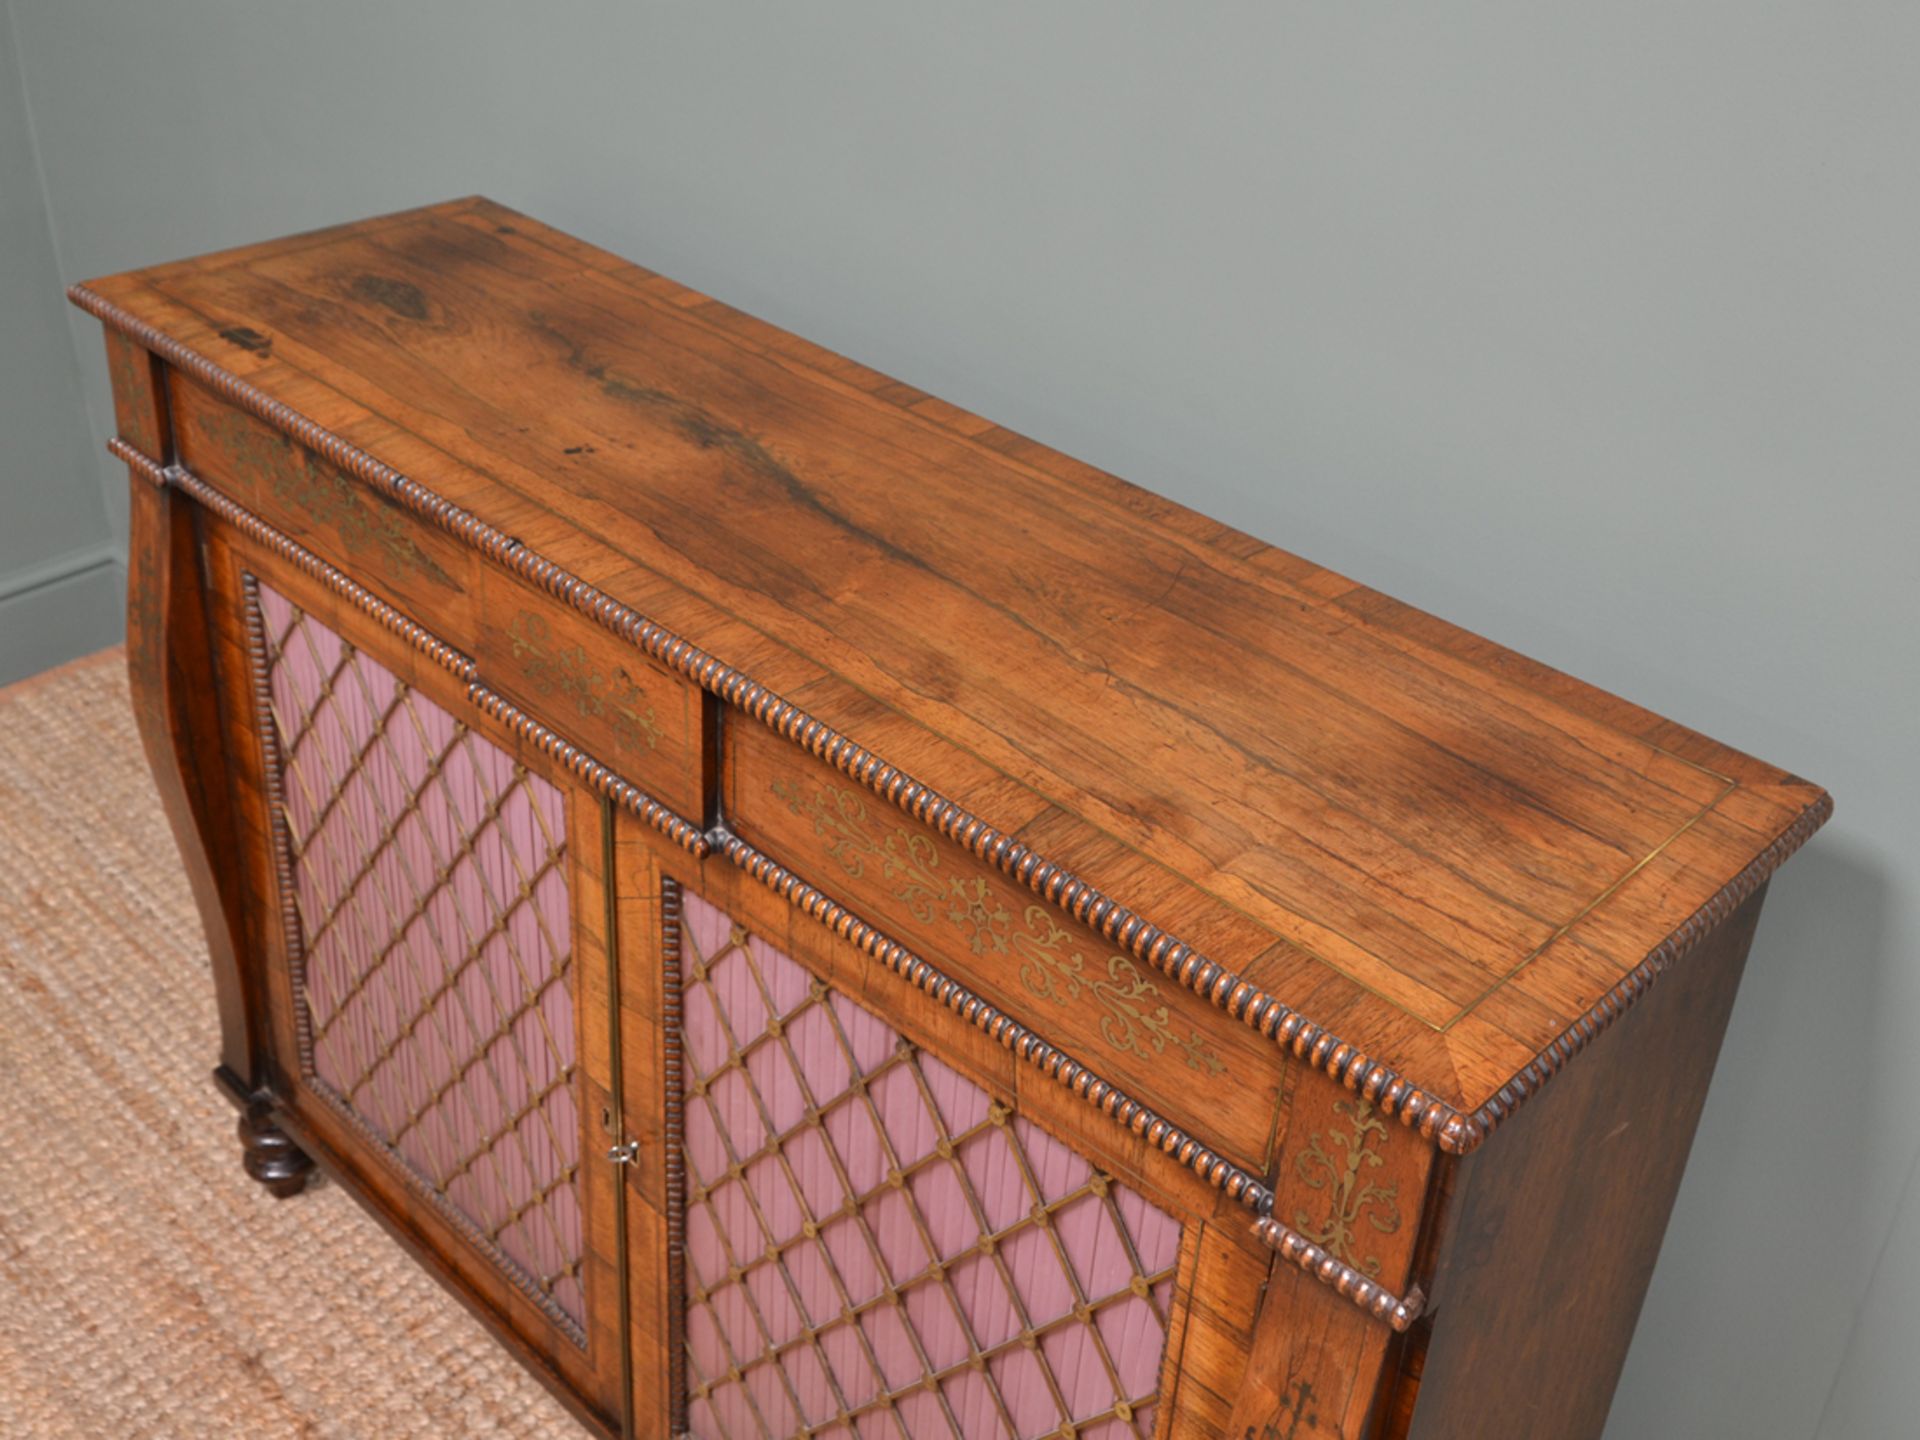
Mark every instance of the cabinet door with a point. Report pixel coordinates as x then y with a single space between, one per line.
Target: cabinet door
429 905
874 1220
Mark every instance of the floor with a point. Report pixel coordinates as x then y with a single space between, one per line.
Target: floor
147 1288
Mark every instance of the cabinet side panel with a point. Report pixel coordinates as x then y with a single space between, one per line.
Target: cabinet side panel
176 692
1560 1218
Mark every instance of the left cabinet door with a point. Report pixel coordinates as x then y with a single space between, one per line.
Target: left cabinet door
426 910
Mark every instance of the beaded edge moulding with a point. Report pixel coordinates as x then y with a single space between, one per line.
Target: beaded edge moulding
1452 1130
424 903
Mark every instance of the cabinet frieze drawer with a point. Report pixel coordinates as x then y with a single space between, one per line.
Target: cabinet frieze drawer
1116 1014
594 688
1078 970
392 551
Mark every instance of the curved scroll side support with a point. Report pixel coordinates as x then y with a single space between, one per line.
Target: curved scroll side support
1374 1299
176 707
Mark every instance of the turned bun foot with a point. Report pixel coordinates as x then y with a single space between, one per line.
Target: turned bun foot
269 1154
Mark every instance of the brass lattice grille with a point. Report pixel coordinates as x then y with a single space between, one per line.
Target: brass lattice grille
428 889
876 1247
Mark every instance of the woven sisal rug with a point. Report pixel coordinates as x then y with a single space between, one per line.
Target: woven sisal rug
147 1287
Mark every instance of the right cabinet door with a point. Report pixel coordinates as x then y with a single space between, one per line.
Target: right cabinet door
877 1222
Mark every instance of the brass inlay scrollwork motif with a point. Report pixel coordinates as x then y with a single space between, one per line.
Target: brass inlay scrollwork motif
1356 1199
325 495
568 669
1052 966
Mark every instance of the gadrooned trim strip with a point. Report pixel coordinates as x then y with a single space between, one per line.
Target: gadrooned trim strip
1450 1129
1110 1100
1348 1282
598 777
462 1224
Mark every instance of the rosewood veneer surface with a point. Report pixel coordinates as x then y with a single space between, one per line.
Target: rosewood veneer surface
1265 886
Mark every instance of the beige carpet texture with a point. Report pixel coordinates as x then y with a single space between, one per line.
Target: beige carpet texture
147 1287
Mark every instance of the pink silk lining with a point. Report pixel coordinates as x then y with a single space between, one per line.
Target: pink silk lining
861 1218
433 905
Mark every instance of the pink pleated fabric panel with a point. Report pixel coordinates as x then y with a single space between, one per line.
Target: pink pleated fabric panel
876 1248
430 888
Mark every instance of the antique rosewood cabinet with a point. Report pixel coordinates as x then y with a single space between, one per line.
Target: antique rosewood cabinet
818 916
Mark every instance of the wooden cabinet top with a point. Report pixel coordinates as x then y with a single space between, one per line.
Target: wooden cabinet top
1427 863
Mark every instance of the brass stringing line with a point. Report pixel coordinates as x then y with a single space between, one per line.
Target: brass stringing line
494 819
812 1103
474 946
938 1268
774 701
471 953
616 1110
472 949
772 1148
1591 906
903 1055
1232 906
1436 1118
1429 1105
737 1168
433 1014
978 1209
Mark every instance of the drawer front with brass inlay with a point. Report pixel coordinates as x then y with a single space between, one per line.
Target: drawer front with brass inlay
384 546
795 1114
1132 1025
599 691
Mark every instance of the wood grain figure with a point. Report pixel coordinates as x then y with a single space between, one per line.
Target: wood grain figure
813 913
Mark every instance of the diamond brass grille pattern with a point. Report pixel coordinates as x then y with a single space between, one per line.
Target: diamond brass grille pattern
429 889
877 1248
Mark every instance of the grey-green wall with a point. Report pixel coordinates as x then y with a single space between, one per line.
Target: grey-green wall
60 568
1595 328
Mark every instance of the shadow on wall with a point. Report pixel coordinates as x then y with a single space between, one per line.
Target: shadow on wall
1772 1222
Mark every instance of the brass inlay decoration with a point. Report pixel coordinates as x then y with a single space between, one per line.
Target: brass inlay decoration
1444 1123
1134 1019
762 1257
1356 1199
120 369
325 495
1297 1408
569 670
418 935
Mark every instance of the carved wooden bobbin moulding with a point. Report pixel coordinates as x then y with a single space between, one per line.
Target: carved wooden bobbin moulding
818 916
